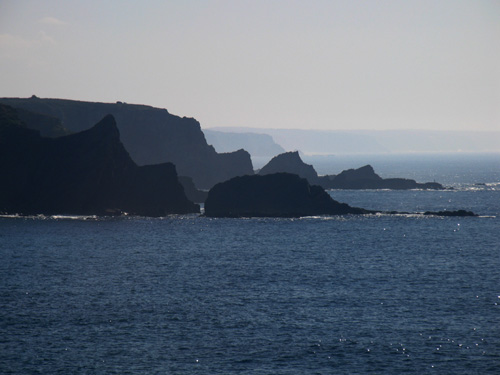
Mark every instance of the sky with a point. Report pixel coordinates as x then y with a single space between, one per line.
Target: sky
376 65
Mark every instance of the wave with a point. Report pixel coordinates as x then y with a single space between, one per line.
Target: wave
51 217
95 217
481 186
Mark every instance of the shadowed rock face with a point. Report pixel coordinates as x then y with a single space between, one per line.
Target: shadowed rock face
290 162
258 145
48 126
85 173
273 195
150 135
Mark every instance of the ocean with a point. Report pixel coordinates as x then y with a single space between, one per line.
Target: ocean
381 294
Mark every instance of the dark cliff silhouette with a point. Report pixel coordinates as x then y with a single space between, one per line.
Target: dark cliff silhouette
87 173
272 195
150 135
290 162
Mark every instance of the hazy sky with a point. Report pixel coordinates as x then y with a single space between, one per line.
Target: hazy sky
282 64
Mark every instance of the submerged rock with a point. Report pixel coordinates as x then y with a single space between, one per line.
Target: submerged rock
273 195
450 213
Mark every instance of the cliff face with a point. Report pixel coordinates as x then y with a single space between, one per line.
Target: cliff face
290 162
85 173
48 126
273 195
150 135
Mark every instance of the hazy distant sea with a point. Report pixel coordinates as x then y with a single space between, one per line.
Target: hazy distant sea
383 294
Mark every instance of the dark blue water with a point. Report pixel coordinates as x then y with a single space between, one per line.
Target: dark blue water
192 295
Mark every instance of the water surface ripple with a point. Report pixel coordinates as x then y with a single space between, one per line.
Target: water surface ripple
347 295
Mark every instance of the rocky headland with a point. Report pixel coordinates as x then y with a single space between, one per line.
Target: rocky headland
87 173
50 168
150 135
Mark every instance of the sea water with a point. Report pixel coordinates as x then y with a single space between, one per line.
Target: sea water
384 294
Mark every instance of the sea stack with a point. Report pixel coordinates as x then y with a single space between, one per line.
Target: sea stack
273 195
290 162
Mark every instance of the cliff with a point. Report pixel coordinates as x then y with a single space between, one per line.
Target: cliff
290 162
88 173
273 195
150 135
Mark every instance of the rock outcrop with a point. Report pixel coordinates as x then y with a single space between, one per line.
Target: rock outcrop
150 135
290 162
366 178
273 195
361 178
284 195
456 213
88 173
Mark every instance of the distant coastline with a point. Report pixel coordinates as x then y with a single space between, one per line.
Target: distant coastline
359 142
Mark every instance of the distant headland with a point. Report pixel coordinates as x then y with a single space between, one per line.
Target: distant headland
361 178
